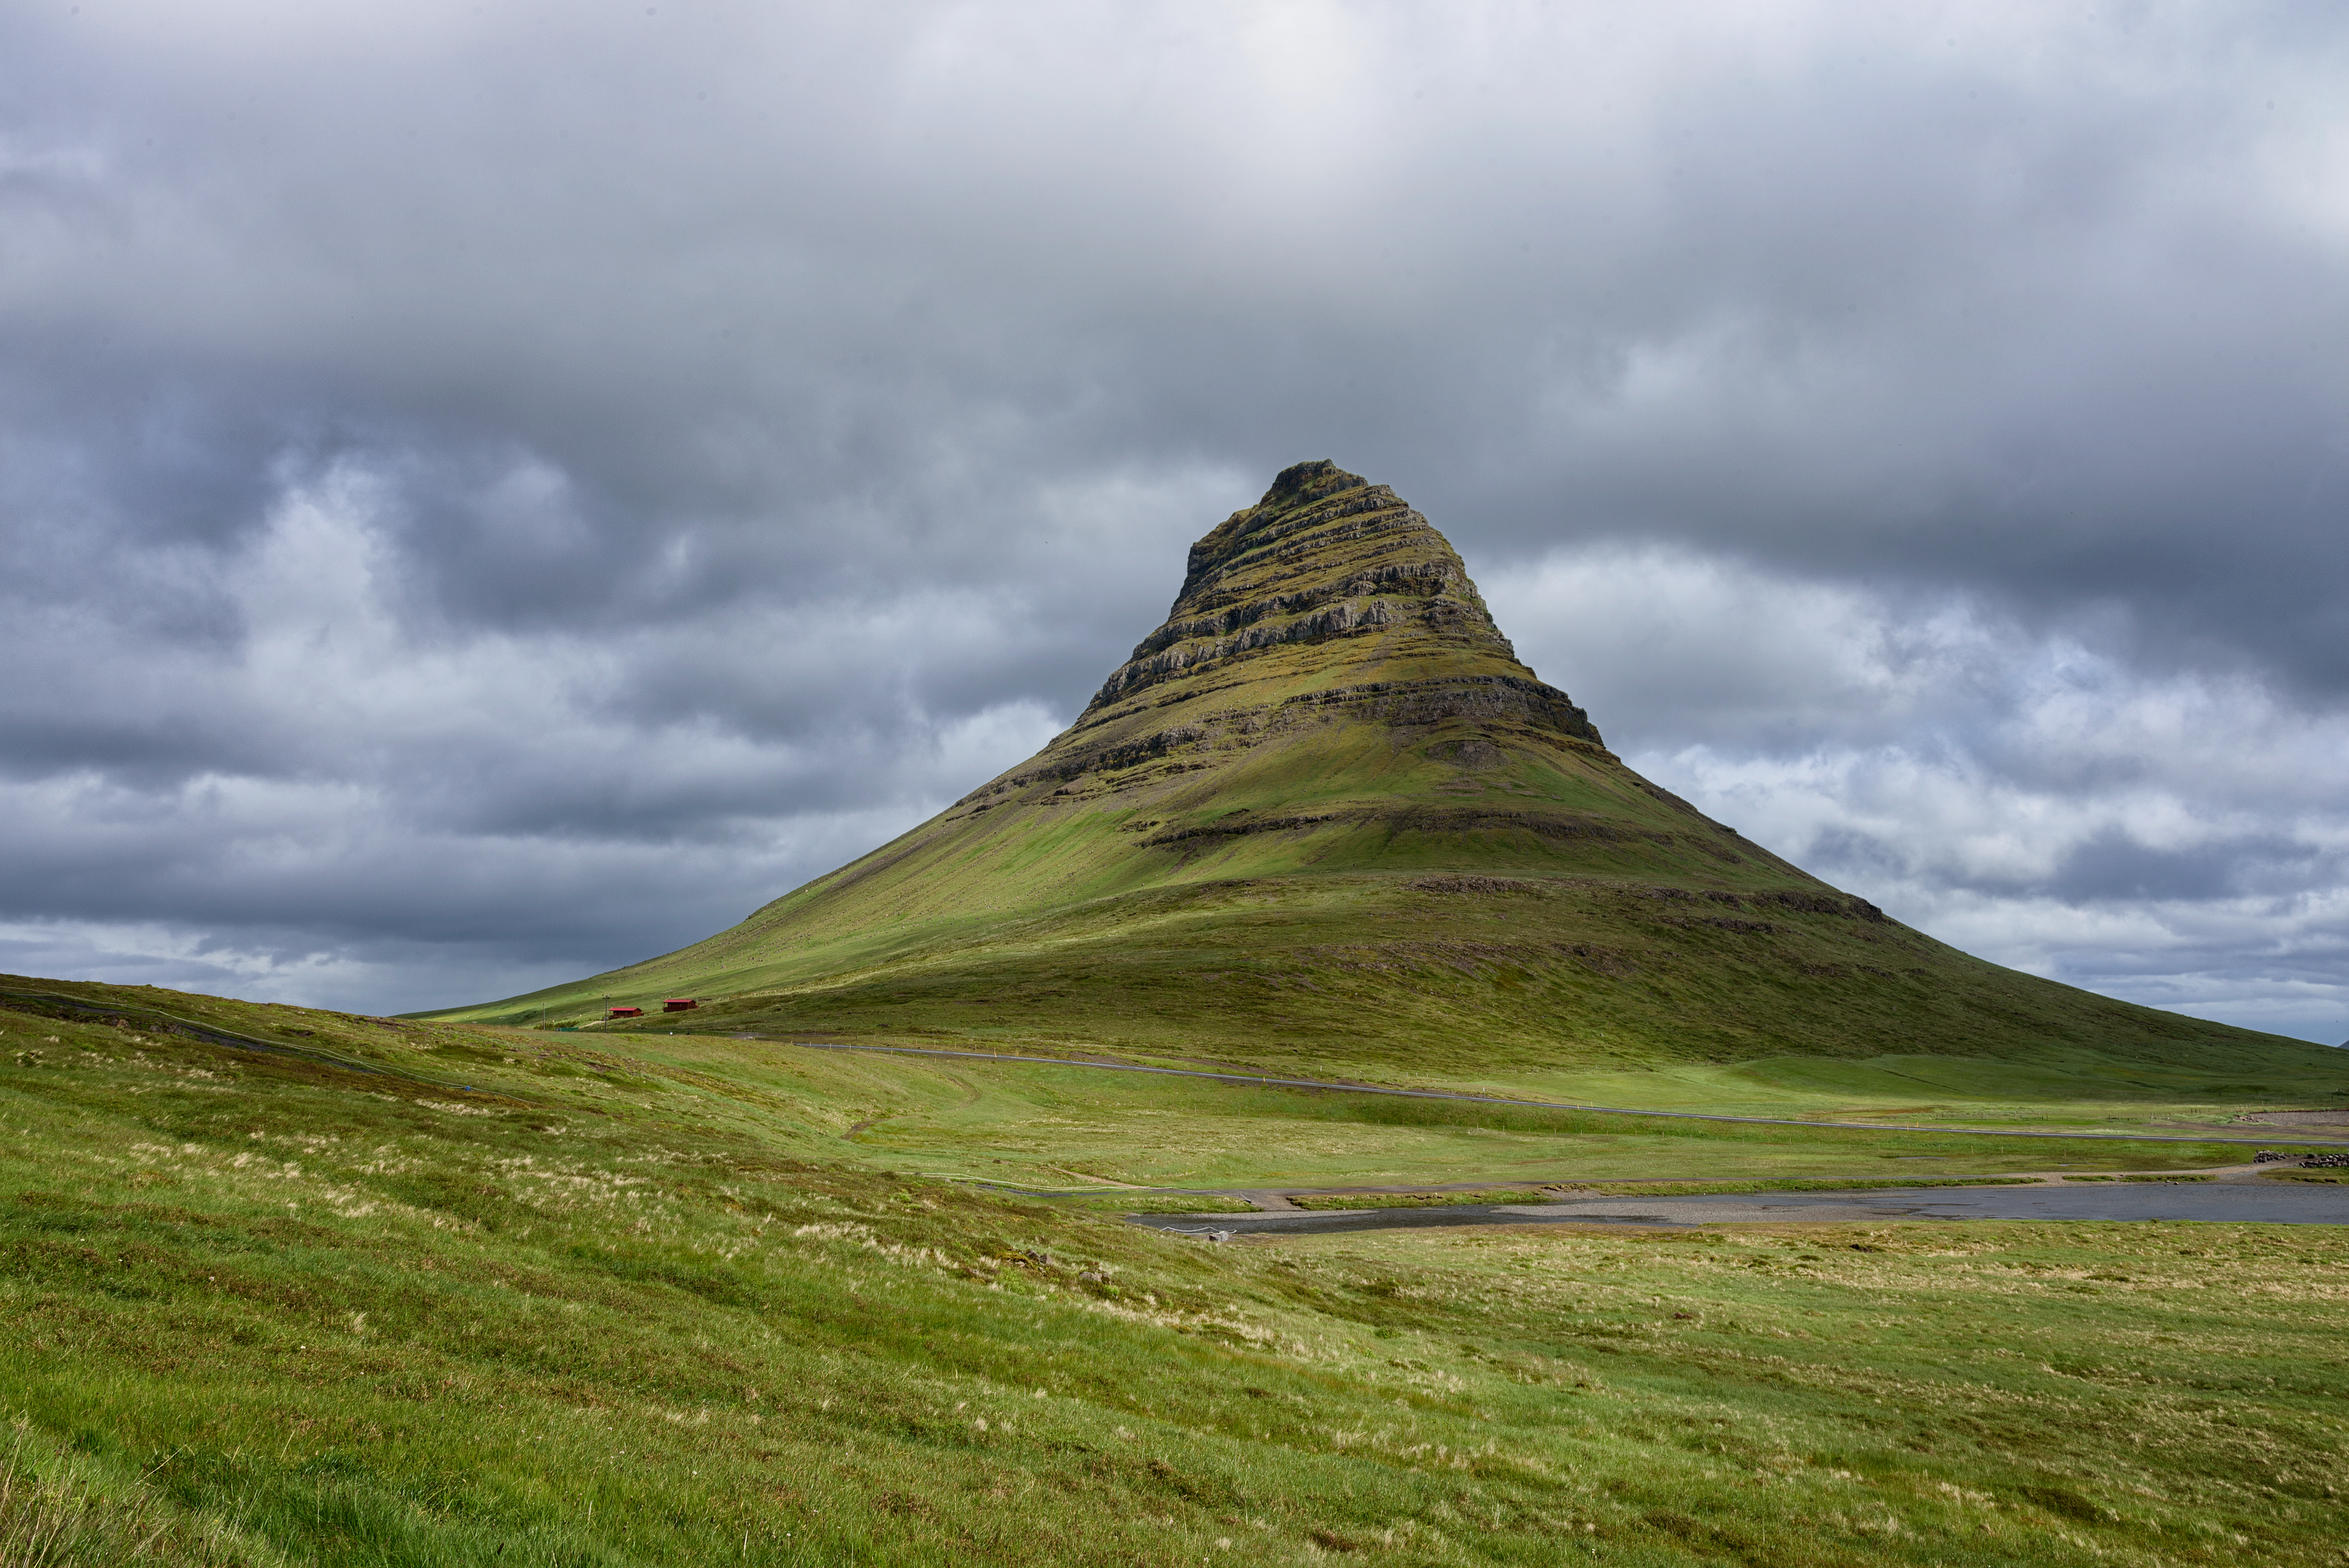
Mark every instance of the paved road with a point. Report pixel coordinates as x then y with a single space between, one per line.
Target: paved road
2265 1202
2272 1139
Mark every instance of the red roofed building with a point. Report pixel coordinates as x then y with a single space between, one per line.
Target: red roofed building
627 1011
679 1004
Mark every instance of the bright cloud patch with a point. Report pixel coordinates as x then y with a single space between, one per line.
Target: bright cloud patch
2177 839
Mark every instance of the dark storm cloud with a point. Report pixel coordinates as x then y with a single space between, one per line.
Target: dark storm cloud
517 486
2111 865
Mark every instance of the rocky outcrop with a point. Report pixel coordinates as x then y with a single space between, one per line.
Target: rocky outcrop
1148 669
1327 556
1495 698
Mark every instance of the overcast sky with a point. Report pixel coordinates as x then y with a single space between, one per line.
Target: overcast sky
494 490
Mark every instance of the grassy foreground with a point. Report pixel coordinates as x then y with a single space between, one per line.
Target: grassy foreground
264 1310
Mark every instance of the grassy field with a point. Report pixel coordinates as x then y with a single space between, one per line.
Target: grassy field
1059 1128
505 1297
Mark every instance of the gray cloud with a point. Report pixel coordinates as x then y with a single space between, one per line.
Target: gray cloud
2177 836
496 489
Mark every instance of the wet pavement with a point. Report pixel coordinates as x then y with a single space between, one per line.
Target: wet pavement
2261 1202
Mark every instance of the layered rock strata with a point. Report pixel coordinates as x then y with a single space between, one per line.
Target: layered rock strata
1332 621
1328 555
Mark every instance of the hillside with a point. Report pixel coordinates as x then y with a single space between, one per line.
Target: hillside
293 1288
1324 818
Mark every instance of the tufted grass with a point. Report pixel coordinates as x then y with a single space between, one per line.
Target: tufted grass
603 1312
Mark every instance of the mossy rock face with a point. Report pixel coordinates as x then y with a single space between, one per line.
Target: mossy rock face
1323 814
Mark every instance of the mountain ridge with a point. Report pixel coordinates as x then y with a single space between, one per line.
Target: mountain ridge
1323 813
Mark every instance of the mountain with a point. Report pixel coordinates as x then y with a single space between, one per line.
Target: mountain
1324 818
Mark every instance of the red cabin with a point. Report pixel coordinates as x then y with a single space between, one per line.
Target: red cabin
680 1004
627 1011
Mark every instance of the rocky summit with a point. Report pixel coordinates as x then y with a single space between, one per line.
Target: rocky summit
1330 676
1323 817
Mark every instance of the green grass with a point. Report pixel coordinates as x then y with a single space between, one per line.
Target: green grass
1068 1128
612 1310
58 1508
1365 974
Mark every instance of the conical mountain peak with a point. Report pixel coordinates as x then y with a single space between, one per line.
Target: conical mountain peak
1325 558
1324 818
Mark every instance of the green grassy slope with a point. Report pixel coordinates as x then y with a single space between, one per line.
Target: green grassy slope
1325 819
439 1294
